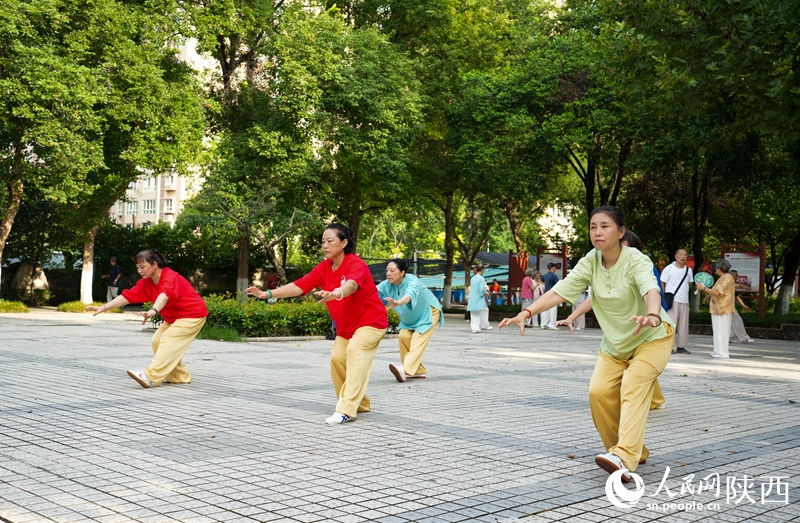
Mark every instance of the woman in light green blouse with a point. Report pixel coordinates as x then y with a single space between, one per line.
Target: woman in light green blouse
637 337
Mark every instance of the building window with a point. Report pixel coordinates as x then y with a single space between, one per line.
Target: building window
133 208
168 205
150 185
120 208
149 207
132 186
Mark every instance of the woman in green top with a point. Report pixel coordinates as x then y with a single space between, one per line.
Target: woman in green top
637 337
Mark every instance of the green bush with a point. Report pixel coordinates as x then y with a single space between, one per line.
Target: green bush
256 318
12 306
78 306
215 332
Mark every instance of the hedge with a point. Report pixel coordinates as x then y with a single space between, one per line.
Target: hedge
12 306
257 318
750 319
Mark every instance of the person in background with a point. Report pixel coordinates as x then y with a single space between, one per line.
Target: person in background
495 288
579 322
737 324
676 279
272 279
478 312
420 313
526 292
722 307
550 316
113 279
351 296
184 312
637 337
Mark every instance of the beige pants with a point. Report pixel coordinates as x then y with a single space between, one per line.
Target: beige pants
620 395
169 345
680 315
413 345
351 364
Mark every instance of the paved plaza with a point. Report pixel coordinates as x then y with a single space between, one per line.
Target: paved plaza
500 431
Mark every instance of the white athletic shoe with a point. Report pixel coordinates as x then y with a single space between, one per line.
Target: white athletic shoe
141 377
612 463
398 373
337 419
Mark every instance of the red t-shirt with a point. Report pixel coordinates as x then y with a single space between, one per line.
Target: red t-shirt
184 302
363 308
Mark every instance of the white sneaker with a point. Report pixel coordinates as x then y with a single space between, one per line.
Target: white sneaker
398 374
553 328
488 328
141 377
612 463
749 340
337 419
716 355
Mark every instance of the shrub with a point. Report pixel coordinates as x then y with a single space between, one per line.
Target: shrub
78 306
750 319
256 318
12 306
215 332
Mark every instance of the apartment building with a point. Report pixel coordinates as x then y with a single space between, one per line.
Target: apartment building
152 199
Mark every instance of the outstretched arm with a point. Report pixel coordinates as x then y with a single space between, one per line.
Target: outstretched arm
549 300
289 290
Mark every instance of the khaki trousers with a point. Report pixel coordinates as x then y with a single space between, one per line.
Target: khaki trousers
413 345
620 395
169 345
351 364
680 315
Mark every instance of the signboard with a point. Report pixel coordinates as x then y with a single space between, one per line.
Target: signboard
748 265
546 259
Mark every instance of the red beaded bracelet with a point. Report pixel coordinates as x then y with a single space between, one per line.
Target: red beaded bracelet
529 312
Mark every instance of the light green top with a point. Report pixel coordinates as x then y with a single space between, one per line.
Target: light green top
616 296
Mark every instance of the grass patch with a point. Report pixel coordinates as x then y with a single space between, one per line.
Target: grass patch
216 332
12 306
78 306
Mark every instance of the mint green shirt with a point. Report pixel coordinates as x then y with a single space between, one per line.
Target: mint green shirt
416 315
616 296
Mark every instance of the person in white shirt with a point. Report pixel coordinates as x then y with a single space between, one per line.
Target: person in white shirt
675 280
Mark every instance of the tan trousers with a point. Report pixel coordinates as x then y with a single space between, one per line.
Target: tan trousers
620 394
680 315
413 345
351 364
169 345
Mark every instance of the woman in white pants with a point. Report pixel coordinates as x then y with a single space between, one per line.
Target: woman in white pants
721 307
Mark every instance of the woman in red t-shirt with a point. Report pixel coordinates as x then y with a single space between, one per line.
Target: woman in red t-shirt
361 319
183 310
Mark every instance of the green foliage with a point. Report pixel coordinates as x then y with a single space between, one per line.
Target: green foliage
78 306
217 333
256 318
750 319
7 306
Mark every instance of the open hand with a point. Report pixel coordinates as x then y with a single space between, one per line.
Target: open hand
644 321
519 319
567 322
146 315
391 303
326 296
97 310
253 291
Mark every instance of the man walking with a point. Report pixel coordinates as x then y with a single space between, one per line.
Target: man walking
113 280
675 281
550 316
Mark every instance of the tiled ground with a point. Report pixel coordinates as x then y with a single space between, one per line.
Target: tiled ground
485 438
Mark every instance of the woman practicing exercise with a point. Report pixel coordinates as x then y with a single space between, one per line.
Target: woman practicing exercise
361 320
637 337
420 313
183 310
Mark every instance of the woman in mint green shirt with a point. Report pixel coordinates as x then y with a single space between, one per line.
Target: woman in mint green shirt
637 337
420 313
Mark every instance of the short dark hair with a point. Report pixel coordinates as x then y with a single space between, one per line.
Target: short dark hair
479 267
550 266
344 233
151 256
615 213
400 264
114 259
633 240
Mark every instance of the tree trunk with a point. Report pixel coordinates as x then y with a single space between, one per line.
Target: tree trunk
448 252
514 225
790 265
243 267
355 220
16 188
701 207
272 256
87 270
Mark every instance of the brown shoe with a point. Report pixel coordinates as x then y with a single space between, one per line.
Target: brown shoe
398 374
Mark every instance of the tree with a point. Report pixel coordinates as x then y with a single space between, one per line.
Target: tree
47 96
